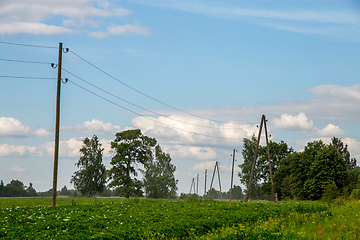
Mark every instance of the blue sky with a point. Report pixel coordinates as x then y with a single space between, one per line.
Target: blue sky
227 62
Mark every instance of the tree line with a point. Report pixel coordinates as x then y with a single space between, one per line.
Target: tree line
320 171
130 149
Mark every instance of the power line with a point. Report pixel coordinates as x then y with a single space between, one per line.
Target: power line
142 93
200 134
198 125
22 61
26 45
26 77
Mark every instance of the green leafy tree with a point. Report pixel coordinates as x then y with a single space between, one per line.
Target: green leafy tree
159 180
15 188
248 153
2 188
64 191
31 190
282 177
130 147
91 176
261 184
344 152
236 193
301 166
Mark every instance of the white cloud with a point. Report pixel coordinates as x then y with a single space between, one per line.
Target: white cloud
94 127
339 92
204 165
190 152
130 29
27 17
354 148
287 121
71 147
337 22
210 167
178 129
330 130
32 28
98 34
42 132
298 16
13 127
19 151
15 169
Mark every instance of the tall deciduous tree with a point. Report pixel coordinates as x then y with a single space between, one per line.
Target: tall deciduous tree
130 147
91 176
344 152
159 180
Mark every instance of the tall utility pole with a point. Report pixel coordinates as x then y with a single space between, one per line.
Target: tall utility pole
212 180
57 127
197 184
205 182
263 121
232 174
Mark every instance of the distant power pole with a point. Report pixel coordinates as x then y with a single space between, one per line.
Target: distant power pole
205 182
192 184
212 180
232 174
57 127
197 184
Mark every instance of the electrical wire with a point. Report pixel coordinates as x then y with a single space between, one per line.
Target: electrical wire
198 125
2 76
200 134
26 45
142 93
22 61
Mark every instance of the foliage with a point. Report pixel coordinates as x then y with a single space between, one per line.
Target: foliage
248 153
355 194
338 222
131 147
261 185
159 180
90 178
235 194
16 188
31 190
320 171
344 152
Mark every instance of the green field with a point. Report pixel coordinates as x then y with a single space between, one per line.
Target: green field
119 218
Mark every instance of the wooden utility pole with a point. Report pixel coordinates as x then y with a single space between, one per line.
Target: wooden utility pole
192 184
263 121
197 184
57 127
205 182
268 153
212 180
232 174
